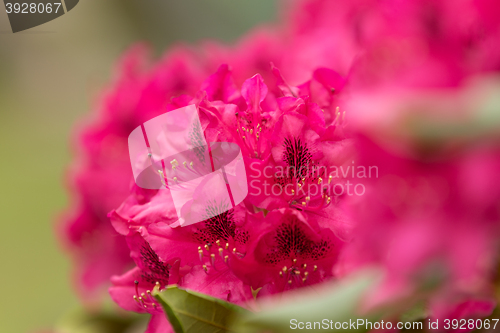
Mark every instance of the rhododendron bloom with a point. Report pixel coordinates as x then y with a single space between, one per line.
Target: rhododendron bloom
288 252
209 247
341 126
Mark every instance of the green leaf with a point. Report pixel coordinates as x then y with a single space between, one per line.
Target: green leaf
417 312
190 312
338 303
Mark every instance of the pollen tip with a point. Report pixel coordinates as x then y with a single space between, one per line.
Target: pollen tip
289 281
304 266
315 268
225 258
284 269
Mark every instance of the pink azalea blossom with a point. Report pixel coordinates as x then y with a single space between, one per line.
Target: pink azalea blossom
288 252
343 84
209 247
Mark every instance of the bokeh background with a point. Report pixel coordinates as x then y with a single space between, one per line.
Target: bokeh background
49 77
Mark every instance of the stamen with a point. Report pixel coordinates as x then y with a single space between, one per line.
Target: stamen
227 245
315 268
205 268
320 180
330 179
304 266
136 287
225 258
289 281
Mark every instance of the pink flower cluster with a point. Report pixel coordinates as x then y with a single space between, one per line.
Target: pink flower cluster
343 83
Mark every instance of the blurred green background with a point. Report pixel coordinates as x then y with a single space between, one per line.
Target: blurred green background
49 76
